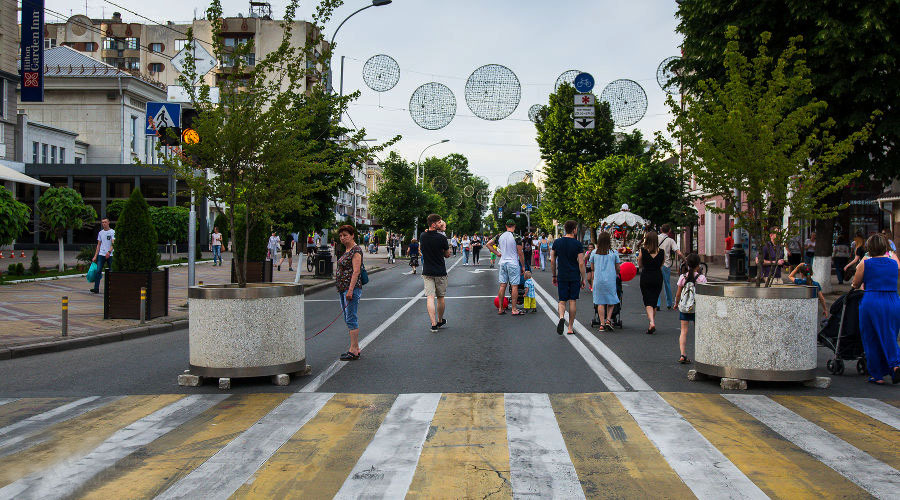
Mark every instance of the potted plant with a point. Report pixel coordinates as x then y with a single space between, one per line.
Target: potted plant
14 217
758 140
134 266
270 144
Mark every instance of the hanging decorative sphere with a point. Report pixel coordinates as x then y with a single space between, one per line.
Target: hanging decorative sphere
493 92
627 101
432 106
381 73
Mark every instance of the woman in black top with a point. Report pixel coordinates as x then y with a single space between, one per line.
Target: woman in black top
476 248
651 261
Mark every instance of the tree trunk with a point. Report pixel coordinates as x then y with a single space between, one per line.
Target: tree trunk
62 254
821 268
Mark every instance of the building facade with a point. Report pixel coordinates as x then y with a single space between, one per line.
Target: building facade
9 78
343 207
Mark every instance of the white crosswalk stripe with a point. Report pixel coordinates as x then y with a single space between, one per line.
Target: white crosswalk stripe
876 477
4 401
878 410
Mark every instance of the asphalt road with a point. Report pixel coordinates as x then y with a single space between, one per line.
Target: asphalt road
478 351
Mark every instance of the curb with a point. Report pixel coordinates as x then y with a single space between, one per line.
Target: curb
117 336
82 275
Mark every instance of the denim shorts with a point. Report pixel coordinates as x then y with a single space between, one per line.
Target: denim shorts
685 316
509 273
350 309
568 290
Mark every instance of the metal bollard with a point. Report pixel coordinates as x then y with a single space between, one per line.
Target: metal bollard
64 322
143 303
200 283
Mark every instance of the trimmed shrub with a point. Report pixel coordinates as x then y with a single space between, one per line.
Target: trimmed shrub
20 269
35 267
135 245
85 255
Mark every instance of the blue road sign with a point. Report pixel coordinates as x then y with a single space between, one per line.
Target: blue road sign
529 206
163 114
584 82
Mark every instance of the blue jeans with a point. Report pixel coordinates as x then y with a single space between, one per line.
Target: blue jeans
217 254
102 260
543 259
351 308
667 286
465 256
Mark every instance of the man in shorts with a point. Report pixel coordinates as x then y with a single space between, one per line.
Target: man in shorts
434 249
569 276
508 247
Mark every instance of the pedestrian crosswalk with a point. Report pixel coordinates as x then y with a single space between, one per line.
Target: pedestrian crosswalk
322 445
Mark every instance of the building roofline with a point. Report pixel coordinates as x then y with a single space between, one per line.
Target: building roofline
52 128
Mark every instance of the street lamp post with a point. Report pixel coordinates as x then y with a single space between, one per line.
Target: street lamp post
418 163
375 3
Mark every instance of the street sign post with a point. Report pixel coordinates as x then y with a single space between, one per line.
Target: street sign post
164 115
584 99
584 83
584 123
584 112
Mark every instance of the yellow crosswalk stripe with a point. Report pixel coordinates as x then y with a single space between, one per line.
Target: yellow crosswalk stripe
317 459
869 435
11 413
612 455
466 453
777 466
163 462
79 435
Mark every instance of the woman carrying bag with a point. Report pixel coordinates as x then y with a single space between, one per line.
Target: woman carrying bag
349 282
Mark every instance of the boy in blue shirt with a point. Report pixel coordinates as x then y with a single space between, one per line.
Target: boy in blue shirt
530 303
806 279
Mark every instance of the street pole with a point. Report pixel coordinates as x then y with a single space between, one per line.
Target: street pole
418 163
375 3
192 241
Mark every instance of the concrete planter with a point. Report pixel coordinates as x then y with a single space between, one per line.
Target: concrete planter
246 332
749 333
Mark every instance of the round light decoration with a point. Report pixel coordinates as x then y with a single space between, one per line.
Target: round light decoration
439 184
493 92
469 190
566 77
517 177
534 112
381 72
665 75
432 106
627 101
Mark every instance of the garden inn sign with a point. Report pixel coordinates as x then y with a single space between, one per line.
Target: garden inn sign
32 47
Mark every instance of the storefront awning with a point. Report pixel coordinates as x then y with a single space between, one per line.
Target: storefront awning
9 174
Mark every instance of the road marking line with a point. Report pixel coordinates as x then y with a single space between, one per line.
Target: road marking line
417 297
31 425
336 366
386 468
614 361
705 470
539 462
65 478
592 361
4 401
873 408
233 465
874 476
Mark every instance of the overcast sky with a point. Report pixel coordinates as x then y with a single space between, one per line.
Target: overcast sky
445 40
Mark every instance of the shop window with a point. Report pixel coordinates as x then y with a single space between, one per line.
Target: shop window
119 187
155 188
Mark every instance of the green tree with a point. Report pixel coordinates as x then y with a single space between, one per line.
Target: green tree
61 209
270 143
135 245
171 223
510 199
448 177
563 148
759 133
655 191
399 201
14 217
852 55
594 188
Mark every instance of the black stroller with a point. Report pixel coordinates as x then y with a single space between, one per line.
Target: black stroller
841 334
617 309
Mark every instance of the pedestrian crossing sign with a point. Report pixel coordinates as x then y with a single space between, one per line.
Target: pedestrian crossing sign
162 115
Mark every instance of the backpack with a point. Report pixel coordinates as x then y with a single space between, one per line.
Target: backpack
686 304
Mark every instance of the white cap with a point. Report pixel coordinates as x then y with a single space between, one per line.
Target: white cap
624 207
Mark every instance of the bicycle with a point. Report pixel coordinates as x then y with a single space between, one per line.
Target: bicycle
391 255
312 260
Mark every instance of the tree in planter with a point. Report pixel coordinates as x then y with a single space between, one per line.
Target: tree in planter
14 217
760 136
135 246
270 143
61 209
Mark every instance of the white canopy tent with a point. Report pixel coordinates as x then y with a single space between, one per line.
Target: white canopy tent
624 217
9 174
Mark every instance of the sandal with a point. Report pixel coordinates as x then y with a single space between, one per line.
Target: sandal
876 382
684 360
895 375
651 330
349 356
516 312
608 326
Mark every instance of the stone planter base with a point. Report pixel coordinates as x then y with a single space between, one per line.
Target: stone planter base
748 333
256 331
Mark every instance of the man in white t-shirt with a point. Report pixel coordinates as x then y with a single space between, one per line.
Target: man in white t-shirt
104 251
670 250
512 258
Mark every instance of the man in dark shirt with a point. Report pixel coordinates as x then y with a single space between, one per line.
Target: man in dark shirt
567 266
435 248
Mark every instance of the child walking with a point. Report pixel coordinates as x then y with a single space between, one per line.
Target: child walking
530 303
605 264
493 258
684 300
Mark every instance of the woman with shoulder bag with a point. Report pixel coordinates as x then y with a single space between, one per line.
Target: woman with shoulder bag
413 253
349 281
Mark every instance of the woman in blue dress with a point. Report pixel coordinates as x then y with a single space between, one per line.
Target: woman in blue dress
605 264
879 311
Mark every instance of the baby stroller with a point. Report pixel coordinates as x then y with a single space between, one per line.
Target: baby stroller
617 309
840 334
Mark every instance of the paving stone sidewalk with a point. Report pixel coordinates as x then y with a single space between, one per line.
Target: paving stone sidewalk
31 312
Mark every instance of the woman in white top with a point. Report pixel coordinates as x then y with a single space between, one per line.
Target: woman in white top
215 243
466 244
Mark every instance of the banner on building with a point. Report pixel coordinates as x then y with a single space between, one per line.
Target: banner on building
32 51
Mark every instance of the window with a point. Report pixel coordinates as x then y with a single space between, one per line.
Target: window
132 43
49 43
90 46
78 160
110 44
156 47
34 152
3 99
43 153
52 154
133 63
231 41
179 44
156 67
62 155
134 133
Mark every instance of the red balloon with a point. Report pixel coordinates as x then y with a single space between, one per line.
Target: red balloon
628 271
505 302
